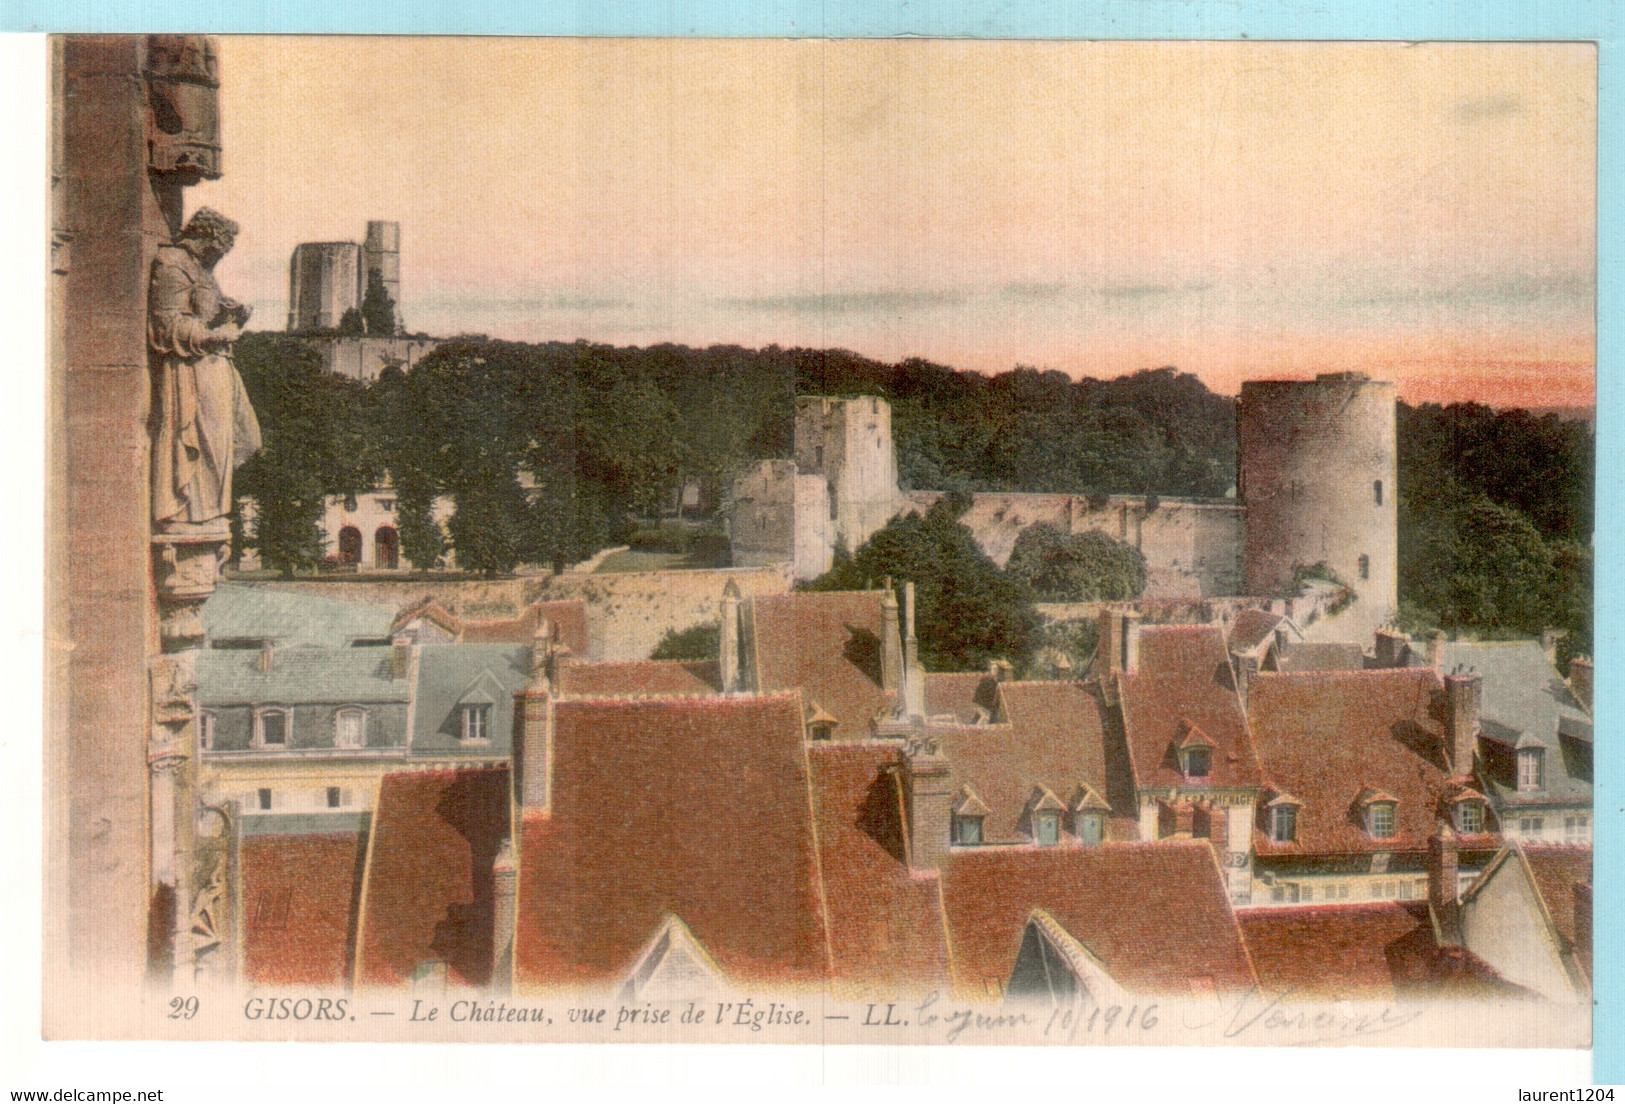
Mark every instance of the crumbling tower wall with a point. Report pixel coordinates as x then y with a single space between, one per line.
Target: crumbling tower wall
1317 474
848 443
381 253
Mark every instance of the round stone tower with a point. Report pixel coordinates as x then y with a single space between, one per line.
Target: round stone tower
1317 474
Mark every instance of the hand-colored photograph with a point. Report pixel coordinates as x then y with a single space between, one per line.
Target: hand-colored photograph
821 541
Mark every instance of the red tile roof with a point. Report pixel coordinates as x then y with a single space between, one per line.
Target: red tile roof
428 892
828 647
1055 737
299 899
697 808
640 678
1156 915
1184 679
966 697
1251 627
886 927
1375 951
1328 738
569 618
1556 871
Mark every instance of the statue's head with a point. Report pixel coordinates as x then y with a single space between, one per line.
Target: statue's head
211 234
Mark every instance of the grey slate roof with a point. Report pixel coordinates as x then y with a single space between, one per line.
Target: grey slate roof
1525 701
451 675
299 674
288 618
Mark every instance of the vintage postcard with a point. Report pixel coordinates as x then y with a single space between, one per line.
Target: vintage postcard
895 542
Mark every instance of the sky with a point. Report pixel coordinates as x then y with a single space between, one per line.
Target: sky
1422 213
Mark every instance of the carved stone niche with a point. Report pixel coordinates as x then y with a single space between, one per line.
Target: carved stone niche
186 569
183 107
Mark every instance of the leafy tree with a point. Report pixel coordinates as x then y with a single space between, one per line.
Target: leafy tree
1083 567
697 642
317 442
377 308
351 324
968 612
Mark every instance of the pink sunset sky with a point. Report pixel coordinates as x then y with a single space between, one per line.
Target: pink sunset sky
1422 213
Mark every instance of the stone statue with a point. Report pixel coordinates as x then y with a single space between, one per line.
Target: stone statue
205 427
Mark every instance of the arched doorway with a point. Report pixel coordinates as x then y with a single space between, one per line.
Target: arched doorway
387 548
350 544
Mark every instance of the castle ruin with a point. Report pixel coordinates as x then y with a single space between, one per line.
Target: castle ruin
1317 474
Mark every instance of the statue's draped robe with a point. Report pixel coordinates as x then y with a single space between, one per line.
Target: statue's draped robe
205 425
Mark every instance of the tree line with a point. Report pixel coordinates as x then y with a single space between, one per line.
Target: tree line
552 451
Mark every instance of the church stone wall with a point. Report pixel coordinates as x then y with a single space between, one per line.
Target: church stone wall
1317 472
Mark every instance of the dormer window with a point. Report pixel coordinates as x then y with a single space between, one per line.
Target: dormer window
1531 768
1379 819
969 813
349 728
1195 750
1469 817
968 830
1088 816
1284 823
476 723
1044 812
271 728
821 732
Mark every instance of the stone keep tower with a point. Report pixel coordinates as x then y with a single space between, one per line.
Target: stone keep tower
324 281
1317 474
848 443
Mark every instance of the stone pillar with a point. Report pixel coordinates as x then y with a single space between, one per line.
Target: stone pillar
135 122
891 641
533 739
504 886
108 226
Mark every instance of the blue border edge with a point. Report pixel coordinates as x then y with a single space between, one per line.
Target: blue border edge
1589 20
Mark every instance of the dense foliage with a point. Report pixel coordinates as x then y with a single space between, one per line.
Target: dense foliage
1495 522
1079 567
967 611
553 451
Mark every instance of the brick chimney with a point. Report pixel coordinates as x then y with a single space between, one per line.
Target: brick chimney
728 654
1580 672
930 804
401 648
1391 648
1463 691
1246 667
891 641
533 709
504 884
1119 648
1444 901
1436 650
913 688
